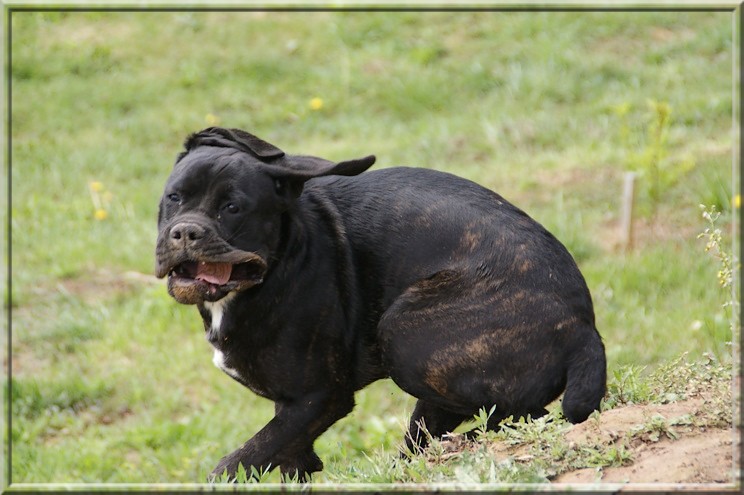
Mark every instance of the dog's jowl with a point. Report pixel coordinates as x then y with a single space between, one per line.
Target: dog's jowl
316 278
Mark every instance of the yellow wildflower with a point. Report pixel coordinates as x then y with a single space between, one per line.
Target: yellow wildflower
316 103
96 186
101 214
212 119
737 201
621 109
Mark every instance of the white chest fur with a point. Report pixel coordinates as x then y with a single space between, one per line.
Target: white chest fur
217 312
219 360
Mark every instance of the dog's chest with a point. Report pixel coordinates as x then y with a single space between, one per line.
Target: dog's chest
224 352
216 311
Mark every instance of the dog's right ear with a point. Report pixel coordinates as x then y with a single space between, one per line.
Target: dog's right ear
232 138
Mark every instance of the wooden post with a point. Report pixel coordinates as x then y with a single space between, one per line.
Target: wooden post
626 219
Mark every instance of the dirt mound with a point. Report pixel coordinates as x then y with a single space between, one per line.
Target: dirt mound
664 444
686 442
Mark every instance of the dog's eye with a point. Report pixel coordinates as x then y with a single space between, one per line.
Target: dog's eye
232 208
175 197
279 186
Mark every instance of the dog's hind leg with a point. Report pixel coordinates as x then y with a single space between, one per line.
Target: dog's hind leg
428 420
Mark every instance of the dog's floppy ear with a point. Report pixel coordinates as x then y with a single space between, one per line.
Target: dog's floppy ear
301 168
295 170
233 138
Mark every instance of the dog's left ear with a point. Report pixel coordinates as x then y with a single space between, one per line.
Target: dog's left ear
295 170
302 168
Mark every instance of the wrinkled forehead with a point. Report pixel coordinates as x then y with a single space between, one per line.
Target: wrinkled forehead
206 162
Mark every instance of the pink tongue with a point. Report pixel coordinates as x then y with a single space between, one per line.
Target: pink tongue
214 273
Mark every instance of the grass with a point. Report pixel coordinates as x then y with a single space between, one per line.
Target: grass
112 380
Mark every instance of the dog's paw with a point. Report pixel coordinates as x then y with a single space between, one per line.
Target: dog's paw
237 468
221 474
227 471
299 469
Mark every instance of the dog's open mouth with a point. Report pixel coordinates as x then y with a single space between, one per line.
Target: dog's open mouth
218 273
191 282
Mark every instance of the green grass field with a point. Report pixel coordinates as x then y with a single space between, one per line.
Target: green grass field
112 381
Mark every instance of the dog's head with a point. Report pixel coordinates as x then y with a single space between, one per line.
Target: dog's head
221 212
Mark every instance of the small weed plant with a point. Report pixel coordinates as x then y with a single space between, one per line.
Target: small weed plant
727 261
648 151
658 427
627 387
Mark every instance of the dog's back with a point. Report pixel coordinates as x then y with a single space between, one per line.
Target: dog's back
477 303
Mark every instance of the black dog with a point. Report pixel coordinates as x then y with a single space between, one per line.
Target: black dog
314 281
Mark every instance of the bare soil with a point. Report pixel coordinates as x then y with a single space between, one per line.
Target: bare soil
704 457
698 455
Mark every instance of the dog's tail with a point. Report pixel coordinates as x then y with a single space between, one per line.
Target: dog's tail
586 381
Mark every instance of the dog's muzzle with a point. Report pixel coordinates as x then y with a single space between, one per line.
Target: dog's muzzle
201 266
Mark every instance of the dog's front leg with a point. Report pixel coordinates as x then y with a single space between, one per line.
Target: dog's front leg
288 438
302 462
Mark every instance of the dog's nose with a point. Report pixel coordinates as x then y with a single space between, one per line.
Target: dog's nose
185 233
